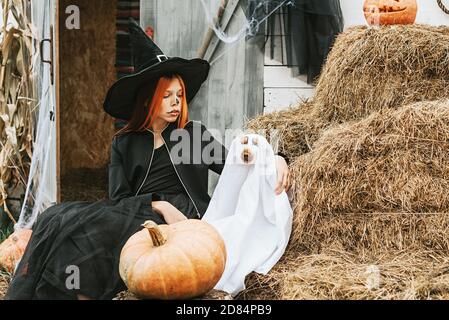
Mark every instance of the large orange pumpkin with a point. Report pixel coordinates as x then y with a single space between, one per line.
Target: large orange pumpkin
12 249
387 12
177 261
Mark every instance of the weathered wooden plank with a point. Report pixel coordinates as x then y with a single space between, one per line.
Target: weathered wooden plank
198 108
235 56
254 74
216 107
228 14
229 73
210 31
148 13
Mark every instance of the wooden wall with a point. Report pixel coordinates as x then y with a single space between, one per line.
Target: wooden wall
234 89
87 58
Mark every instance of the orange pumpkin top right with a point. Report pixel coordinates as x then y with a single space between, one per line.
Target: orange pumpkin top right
389 12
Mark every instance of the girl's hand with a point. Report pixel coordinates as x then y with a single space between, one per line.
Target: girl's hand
283 175
168 211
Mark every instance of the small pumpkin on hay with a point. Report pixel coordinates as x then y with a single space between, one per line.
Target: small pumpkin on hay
12 249
388 12
177 261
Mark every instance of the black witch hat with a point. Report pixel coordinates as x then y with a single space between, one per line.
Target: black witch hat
150 63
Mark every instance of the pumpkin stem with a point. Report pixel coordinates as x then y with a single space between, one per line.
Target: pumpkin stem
156 234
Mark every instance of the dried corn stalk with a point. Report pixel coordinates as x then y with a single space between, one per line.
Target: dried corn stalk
17 100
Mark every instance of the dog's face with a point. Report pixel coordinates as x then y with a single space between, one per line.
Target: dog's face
248 153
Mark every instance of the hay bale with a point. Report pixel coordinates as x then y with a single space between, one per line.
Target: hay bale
291 131
394 161
370 69
370 190
267 287
340 275
379 232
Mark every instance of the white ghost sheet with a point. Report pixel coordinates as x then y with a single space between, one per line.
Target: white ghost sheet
253 221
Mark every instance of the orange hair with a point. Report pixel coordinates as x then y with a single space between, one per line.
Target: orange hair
149 105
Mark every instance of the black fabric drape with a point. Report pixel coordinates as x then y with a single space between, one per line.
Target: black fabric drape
311 27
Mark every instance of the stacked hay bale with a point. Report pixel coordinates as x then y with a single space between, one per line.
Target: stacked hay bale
368 69
292 130
388 165
372 193
371 196
373 69
336 274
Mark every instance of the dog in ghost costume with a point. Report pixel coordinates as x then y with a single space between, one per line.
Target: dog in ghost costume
253 221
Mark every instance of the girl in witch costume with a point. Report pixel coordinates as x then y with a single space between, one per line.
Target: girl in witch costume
75 247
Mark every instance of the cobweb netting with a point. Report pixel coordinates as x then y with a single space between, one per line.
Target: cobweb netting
41 186
308 28
256 13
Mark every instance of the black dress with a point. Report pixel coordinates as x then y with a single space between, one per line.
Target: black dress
75 246
165 184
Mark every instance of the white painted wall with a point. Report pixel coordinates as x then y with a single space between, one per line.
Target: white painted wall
282 90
